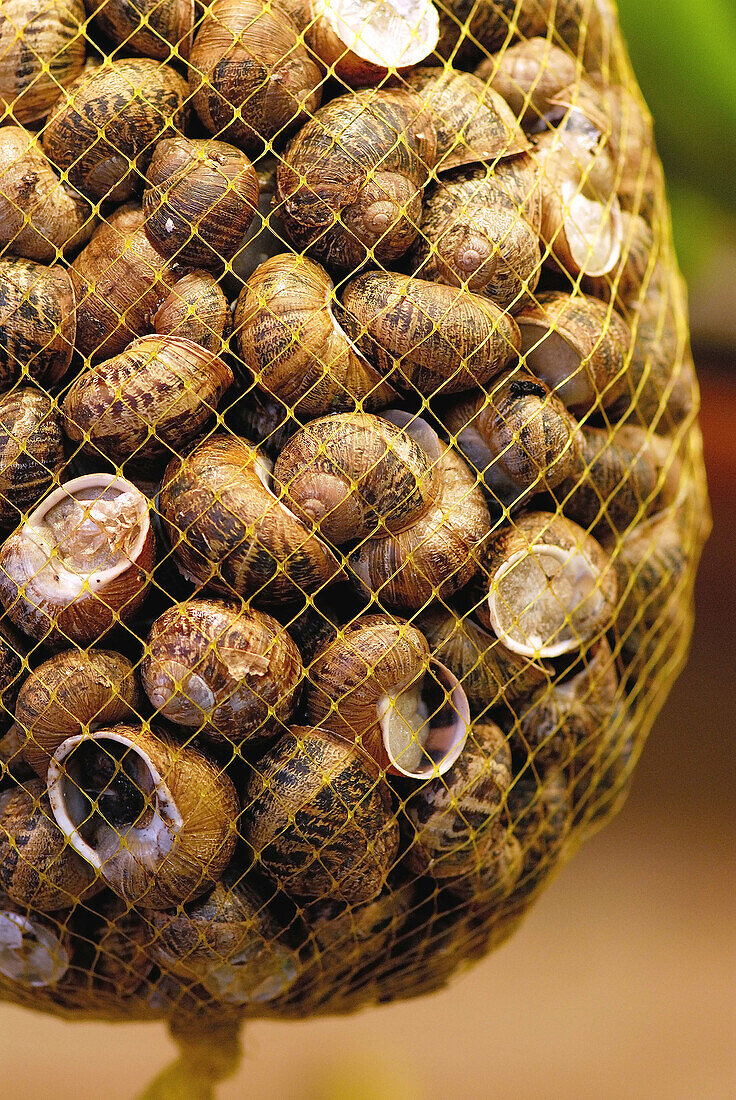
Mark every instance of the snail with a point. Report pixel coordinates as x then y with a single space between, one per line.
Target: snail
472 235
147 26
120 282
430 337
227 671
157 820
289 333
229 532
603 776
42 50
102 129
492 878
12 672
38 869
540 815
452 817
628 282
376 684
69 693
40 216
472 121
228 942
632 135
529 75
518 435
111 960
318 818
251 79
350 184
490 23
196 309
80 563
354 475
144 405
578 346
552 587
362 42
12 762
199 200
37 322
488 672
31 450
439 553
34 951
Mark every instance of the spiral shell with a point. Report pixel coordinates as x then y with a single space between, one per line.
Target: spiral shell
37 322
196 309
625 284
72 692
42 51
147 403
529 75
31 451
289 334
149 27
227 671
34 952
157 820
318 818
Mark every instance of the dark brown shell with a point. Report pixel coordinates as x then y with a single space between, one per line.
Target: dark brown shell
147 403
31 451
230 672
12 651
199 201
289 334
71 692
197 310
318 818
529 75
230 533
540 816
430 337
351 181
42 50
109 120
250 77
150 27
37 322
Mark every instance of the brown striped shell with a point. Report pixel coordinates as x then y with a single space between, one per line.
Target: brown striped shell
227 671
230 533
42 48
196 309
529 75
37 322
147 403
318 818
289 333
12 672
69 693
540 816
350 185
31 451
150 27
109 120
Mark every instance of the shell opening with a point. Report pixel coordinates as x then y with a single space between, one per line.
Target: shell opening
418 430
30 953
538 596
425 724
387 33
594 233
550 357
242 980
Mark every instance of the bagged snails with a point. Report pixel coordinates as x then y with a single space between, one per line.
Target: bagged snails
351 493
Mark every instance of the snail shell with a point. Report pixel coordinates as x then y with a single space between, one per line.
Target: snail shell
38 868
200 200
529 75
632 136
354 475
289 335
350 184
147 26
37 322
540 813
108 120
319 818
578 346
472 121
228 530
518 435
147 403
492 878
34 952
439 553
111 958
362 42
196 309
228 942
157 820
552 586
227 671
624 285
250 76
69 693
432 337
31 451
80 563
489 23
42 49
12 671
375 683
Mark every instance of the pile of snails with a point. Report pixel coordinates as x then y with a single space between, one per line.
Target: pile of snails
349 488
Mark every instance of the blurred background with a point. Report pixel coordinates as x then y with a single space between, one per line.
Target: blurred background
622 981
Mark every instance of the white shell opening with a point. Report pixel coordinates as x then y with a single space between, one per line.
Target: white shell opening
242 980
537 598
594 232
391 34
30 953
417 429
552 358
425 724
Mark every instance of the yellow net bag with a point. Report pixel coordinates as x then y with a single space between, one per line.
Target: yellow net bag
351 492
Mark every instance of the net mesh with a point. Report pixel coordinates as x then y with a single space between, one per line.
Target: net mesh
351 490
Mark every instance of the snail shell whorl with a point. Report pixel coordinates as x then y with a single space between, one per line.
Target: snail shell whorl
196 309
529 75
31 451
37 322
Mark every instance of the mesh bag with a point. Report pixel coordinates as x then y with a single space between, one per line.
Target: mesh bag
351 492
